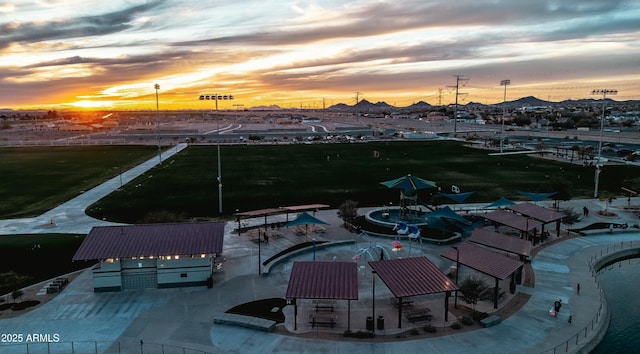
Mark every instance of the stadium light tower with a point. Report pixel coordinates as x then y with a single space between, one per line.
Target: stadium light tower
216 97
604 93
504 104
157 87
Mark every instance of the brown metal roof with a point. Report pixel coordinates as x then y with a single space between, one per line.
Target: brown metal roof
501 241
412 276
306 207
323 280
485 261
148 240
514 220
537 212
260 212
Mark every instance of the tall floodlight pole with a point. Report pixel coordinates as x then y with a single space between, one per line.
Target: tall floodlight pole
216 97
157 87
604 93
504 108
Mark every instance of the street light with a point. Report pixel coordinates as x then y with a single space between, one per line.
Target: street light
157 87
216 97
504 103
455 299
604 93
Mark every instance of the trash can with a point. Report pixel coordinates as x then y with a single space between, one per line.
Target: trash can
380 322
369 323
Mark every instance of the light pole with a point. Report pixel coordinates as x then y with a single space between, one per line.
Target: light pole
216 97
604 93
504 103
455 299
157 87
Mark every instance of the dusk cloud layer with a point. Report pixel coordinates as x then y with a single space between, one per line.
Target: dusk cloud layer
66 53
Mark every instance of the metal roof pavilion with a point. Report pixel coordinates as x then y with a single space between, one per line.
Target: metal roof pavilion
151 240
501 242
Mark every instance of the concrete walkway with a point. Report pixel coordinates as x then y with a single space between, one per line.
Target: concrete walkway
182 318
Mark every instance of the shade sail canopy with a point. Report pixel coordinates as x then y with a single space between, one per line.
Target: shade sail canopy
412 276
518 222
323 280
501 242
409 182
500 203
457 197
152 240
485 261
305 219
537 212
446 213
536 197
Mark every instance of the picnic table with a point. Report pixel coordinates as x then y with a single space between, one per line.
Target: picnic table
396 302
322 319
324 305
418 315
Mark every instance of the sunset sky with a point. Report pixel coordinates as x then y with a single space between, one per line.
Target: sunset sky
59 54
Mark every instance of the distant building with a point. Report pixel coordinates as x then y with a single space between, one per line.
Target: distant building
153 255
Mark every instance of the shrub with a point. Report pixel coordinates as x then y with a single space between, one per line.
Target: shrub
467 320
430 329
456 325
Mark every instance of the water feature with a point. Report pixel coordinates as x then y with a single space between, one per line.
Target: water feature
388 217
620 283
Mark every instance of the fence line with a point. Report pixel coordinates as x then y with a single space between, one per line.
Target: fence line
95 347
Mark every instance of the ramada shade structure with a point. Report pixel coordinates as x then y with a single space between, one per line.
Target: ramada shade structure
151 240
539 213
501 242
412 276
485 261
323 280
518 222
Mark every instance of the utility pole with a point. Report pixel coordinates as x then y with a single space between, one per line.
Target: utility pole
439 97
504 108
464 80
604 93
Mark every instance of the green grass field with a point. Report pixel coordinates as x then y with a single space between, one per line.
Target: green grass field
267 176
36 179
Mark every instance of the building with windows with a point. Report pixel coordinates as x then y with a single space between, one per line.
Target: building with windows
152 255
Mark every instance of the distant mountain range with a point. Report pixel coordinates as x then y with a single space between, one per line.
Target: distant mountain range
530 101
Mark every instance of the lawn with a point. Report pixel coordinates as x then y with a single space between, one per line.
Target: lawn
39 257
36 179
267 176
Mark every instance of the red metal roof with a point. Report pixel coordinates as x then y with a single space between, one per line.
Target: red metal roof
514 220
412 276
323 280
537 212
485 261
148 240
501 241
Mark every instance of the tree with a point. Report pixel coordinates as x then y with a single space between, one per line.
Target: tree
471 288
348 211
